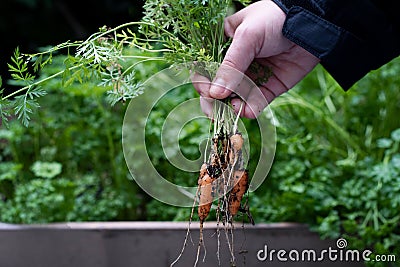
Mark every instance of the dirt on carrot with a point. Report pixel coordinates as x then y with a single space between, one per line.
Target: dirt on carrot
223 180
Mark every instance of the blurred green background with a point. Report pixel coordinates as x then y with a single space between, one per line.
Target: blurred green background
336 168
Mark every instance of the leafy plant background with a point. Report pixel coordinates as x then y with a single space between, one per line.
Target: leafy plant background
337 166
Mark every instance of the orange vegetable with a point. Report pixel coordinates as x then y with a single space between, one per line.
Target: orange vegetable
203 172
241 180
206 196
236 141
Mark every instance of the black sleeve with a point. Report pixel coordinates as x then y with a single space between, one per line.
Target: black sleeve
350 37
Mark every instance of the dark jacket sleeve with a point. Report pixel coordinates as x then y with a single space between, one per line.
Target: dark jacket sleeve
350 37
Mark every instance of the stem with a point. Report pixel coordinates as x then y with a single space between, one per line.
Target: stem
376 216
366 219
144 57
152 50
101 34
66 44
237 118
39 82
208 142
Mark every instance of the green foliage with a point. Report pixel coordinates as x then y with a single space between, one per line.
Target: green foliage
39 201
97 202
59 200
190 30
46 169
68 164
19 68
167 32
337 161
4 107
23 104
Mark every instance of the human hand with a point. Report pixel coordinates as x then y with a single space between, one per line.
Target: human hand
256 33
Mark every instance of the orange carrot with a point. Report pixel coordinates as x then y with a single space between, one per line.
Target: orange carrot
241 180
236 141
236 144
203 172
206 197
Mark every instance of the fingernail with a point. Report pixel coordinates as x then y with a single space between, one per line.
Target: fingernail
218 87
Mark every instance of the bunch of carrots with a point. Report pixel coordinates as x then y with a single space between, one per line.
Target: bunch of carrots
222 176
223 179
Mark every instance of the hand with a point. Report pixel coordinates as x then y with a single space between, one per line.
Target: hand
256 33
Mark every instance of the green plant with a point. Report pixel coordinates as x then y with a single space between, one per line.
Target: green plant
336 167
46 169
166 32
73 138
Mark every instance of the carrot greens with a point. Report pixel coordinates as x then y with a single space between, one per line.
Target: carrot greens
172 31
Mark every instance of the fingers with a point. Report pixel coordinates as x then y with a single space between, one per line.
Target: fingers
259 98
256 33
207 106
252 107
232 22
252 38
238 58
255 98
254 102
201 84
246 42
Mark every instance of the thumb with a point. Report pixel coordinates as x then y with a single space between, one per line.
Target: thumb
237 60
